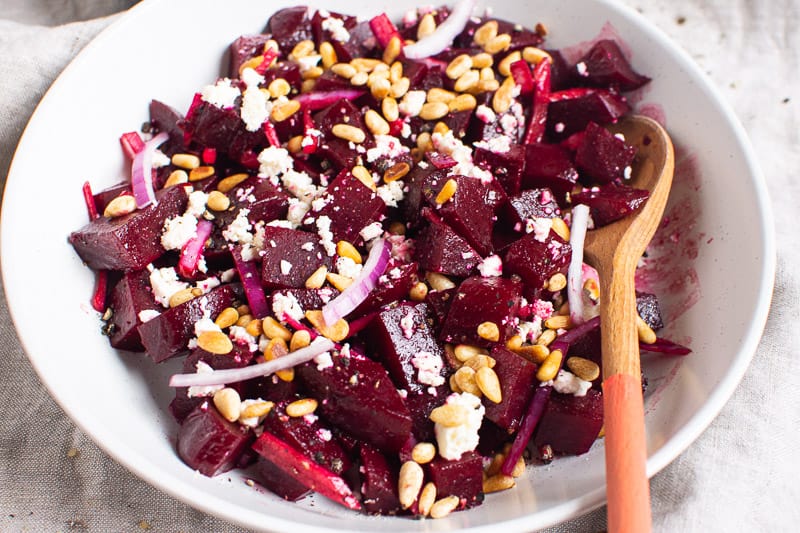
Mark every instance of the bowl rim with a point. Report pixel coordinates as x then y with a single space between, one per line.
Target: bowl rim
199 499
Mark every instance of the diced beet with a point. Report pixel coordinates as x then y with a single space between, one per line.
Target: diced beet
102 198
129 297
468 212
264 200
167 118
604 65
289 26
561 74
307 298
611 202
440 249
243 49
394 285
417 180
308 436
304 470
528 205
210 444
287 70
458 122
357 395
439 303
341 153
536 261
351 206
462 477
492 438
132 241
168 334
299 249
602 155
506 167
649 310
517 378
278 481
378 482
571 110
322 34
548 165
330 81
223 130
570 424
479 300
362 43
415 71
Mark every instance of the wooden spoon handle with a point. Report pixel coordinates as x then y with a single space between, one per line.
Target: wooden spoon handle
628 489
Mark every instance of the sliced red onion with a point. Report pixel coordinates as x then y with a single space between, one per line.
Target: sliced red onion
142 171
319 100
251 280
529 422
358 291
443 35
192 251
580 221
236 375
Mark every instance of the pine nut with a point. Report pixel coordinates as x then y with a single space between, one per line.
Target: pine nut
284 110
300 339
535 353
427 25
227 318
254 328
380 88
561 228
458 66
487 381
519 467
454 386
487 86
441 128
295 144
400 87
376 123
450 415
328 54
448 190
317 279
485 33
366 64
497 44
345 70
583 368
359 79
424 141
467 81
336 332
479 361
489 331
176 177
547 336
364 176
181 297
302 49
426 499
504 67
257 409
646 333
120 206
433 110
514 343
345 249
465 352
487 73
215 342
273 329
303 407
390 109
482 60
463 102
504 96
465 379
338 281
392 50
418 292
397 228
218 201
253 63
439 282
592 289
409 483
277 348
228 403
227 184
558 322
349 133
497 483
201 173
534 55
396 172
186 161
437 94
279 87
495 465
243 309
423 452
244 320
550 366
444 507
556 282
395 71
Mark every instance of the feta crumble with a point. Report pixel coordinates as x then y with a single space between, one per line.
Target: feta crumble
568 383
286 267
391 193
456 440
201 391
412 103
222 94
540 227
326 235
239 229
348 268
147 314
429 367
491 266
371 231
197 204
336 28
178 231
165 283
274 162
287 304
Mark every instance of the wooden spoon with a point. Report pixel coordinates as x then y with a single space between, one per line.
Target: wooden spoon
615 250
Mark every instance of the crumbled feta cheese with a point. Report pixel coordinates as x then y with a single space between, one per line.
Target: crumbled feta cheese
371 231
207 284
252 421
178 231
540 227
160 159
308 62
498 145
412 103
324 434
491 266
240 336
201 391
485 113
348 268
391 193
165 283
455 440
530 331
279 223
147 314
273 162
227 275
287 304
581 68
300 185
337 29
221 94
462 154
255 109
627 172
429 367
543 309
559 127
197 203
395 273
239 229
323 361
407 324
286 267
386 146
326 235
568 383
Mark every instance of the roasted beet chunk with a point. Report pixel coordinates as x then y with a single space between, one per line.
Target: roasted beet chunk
604 65
480 300
529 205
357 395
263 200
392 286
132 241
517 380
243 49
649 310
130 296
340 152
570 424
168 119
378 482
350 206
290 257
549 166
603 156
571 110
278 481
289 26
462 478
223 130
535 260
440 249
611 202
506 166
210 444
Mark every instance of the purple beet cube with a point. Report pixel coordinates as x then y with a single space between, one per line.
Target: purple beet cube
462 477
439 303
290 257
350 206
362 43
129 297
378 482
570 424
320 25
604 65
578 107
358 396
603 156
506 167
611 202
210 444
392 286
341 153
167 118
418 180
550 166
535 261
132 241
528 205
102 198
649 310
261 198
517 378
169 333
223 130
479 300
243 49
440 249
307 299
469 212
278 481
289 26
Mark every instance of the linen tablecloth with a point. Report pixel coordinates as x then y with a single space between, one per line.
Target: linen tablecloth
742 474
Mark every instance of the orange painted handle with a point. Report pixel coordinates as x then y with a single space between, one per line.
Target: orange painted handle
627 487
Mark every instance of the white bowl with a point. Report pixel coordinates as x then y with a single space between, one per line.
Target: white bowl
166 50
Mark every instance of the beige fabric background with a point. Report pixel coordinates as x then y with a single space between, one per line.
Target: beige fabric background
742 473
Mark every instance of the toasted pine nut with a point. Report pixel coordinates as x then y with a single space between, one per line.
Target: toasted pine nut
257 409
303 49
395 71
556 282
433 110
583 368
444 507
400 87
558 322
418 292
426 499
497 44
439 282
479 361
181 297
423 452
335 332
482 60
284 110
317 279
345 249
345 70
424 141
277 348
215 342
363 175
390 109
218 201
561 228
396 172
487 381
227 184
487 86
409 483
338 281
504 67
441 128
447 192
243 309
366 64
120 206
253 62
550 366
349 133
514 343
535 353
437 94
272 329
487 73
497 483
646 333
450 415
201 173
489 331
465 352
465 379
254 328
397 228
485 33
467 81
376 123
392 50
534 55
244 320
427 25
458 66
228 403
504 96
176 177
300 339
547 336
186 161
227 318
328 54
380 88
359 79
279 87
495 465
519 467
295 144
302 407
463 102
454 386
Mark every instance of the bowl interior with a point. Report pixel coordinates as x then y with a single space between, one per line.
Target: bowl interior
121 399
